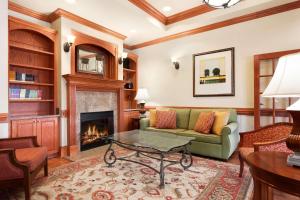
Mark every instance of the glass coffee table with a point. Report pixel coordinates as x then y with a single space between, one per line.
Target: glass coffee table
155 145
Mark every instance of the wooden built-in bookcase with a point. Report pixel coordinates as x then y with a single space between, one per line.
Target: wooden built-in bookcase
268 110
130 75
33 83
32 52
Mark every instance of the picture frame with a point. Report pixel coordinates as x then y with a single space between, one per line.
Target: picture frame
213 73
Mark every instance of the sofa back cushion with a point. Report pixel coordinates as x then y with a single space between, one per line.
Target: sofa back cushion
205 122
166 119
152 115
195 114
182 117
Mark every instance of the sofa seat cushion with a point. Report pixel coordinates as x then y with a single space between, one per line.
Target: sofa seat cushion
245 151
164 130
201 137
31 157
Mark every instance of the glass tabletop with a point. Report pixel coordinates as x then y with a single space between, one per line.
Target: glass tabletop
160 141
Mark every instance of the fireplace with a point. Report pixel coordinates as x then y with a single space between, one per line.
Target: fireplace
95 127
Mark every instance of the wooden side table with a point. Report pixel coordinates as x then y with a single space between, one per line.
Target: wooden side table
269 170
136 122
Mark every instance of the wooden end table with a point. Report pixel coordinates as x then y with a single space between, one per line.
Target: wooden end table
270 170
136 122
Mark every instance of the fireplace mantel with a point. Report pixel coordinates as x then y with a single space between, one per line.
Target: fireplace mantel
84 83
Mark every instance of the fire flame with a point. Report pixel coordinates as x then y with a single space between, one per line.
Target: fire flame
93 134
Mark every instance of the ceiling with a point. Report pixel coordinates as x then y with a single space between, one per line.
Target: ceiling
124 17
176 5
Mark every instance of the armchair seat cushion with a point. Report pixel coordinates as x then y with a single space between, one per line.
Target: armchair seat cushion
245 151
31 157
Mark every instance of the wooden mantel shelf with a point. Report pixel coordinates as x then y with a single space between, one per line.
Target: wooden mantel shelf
93 82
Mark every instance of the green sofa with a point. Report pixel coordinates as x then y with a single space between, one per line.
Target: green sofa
210 145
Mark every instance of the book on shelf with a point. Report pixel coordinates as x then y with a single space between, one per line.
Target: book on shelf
24 77
22 93
12 75
18 93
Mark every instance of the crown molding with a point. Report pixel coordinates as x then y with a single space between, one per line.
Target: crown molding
236 20
126 46
62 13
151 10
29 12
148 8
199 10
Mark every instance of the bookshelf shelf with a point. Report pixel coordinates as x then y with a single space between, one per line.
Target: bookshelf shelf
31 100
132 90
31 66
29 83
28 48
129 70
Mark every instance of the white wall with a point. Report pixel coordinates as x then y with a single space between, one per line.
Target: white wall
4 65
171 87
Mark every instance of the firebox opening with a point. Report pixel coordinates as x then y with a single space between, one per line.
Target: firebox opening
95 127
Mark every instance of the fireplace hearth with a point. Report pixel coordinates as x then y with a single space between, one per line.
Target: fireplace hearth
95 127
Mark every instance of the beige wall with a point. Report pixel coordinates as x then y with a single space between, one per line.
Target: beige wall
168 86
3 65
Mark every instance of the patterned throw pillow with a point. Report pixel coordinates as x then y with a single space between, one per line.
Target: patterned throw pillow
221 120
205 122
152 117
166 119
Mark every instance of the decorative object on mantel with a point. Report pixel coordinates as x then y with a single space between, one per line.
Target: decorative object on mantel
141 96
221 3
121 59
69 43
213 73
285 83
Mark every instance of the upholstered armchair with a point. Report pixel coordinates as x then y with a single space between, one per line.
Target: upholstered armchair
20 161
268 138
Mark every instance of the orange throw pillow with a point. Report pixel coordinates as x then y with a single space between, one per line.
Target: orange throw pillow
166 119
205 122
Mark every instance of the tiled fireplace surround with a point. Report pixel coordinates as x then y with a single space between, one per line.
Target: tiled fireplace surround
90 101
89 94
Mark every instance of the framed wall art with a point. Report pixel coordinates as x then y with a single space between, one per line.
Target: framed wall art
213 73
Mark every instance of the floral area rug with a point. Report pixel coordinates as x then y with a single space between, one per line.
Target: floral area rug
92 179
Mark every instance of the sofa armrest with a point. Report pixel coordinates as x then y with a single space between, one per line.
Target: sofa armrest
230 128
230 139
19 143
144 123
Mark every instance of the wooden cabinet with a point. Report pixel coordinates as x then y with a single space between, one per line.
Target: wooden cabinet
46 129
23 128
47 133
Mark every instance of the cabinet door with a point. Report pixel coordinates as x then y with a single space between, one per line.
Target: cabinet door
47 132
23 128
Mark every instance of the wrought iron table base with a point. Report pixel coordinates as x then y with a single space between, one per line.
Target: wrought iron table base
185 161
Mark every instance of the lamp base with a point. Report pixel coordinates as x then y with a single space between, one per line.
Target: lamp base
294 159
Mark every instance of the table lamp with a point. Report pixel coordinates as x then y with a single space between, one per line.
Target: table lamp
141 96
286 83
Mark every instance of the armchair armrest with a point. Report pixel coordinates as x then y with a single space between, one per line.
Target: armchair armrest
18 143
144 123
10 167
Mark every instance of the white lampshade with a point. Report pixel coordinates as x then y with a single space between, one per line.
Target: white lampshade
142 95
286 79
